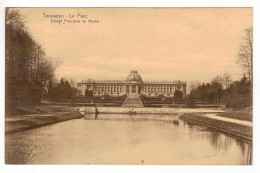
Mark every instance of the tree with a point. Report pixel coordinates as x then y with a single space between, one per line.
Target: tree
54 63
193 85
227 80
178 95
218 79
27 69
88 92
245 54
238 94
73 83
13 19
191 101
216 91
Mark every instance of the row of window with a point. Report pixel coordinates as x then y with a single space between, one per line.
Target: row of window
161 88
109 88
119 88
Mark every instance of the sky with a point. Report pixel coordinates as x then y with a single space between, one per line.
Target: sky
160 43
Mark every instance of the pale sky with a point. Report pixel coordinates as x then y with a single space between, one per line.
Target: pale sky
161 44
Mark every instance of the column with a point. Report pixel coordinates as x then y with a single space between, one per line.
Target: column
163 88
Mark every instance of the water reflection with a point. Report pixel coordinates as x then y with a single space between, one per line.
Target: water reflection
124 139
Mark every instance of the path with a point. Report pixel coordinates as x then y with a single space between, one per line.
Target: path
231 120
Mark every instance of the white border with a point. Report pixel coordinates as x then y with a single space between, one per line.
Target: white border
136 3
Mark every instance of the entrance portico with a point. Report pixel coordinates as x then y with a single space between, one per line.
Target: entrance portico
133 89
133 83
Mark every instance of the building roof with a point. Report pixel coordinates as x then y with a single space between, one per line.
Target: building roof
164 82
134 76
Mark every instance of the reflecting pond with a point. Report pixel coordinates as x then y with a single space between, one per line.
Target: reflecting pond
123 139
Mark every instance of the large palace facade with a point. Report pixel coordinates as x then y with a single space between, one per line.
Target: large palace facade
133 85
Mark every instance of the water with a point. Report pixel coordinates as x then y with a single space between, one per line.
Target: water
124 139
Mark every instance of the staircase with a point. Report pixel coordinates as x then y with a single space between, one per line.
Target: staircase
133 101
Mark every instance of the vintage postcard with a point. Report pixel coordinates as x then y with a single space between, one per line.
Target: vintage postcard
128 86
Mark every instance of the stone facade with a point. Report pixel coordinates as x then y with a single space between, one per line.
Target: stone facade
133 85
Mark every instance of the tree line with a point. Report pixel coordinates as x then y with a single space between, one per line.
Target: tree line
221 89
64 91
236 94
28 70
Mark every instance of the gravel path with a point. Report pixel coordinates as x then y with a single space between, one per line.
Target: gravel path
231 120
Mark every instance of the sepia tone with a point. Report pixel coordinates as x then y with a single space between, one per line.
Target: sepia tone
129 86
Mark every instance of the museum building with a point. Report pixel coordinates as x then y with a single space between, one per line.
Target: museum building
133 85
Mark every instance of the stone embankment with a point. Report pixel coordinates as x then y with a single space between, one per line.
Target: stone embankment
239 128
144 110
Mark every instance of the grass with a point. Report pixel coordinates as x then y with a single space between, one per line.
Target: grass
241 114
27 123
37 109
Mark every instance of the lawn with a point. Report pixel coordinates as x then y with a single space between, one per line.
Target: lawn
241 113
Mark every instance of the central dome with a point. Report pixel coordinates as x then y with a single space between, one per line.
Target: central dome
134 76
